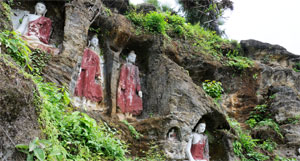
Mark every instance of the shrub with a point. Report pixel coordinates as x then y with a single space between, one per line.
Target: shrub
155 22
16 47
132 130
213 88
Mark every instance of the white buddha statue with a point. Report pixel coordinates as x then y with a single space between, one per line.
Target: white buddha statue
197 147
36 29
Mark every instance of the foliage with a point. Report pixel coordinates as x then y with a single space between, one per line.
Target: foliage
39 60
278 158
69 135
153 154
132 130
16 47
75 132
261 117
240 62
296 67
213 88
244 147
205 12
36 150
7 10
268 145
155 22
209 42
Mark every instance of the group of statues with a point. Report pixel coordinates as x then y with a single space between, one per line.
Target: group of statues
36 30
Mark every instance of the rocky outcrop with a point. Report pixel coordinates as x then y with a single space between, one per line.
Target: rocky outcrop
18 116
278 86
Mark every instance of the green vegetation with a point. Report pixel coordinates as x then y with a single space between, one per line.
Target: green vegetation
262 117
213 88
245 146
172 25
268 145
132 130
278 158
7 10
70 135
153 154
39 60
296 67
16 47
205 12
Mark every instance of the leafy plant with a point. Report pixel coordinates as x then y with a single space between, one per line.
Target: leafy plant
213 88
244 147
132 130
39 149
16 47
240 62
39 60
278 158
268 145
153 154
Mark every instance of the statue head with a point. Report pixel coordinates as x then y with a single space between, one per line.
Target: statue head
40 8
201 127
131 57
94 41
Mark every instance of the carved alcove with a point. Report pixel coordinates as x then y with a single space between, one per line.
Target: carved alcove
55 11
218 142
174 134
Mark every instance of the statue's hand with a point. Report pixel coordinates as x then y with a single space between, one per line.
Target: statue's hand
140 94
100 79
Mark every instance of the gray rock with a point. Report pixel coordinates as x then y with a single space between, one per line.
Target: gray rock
18 118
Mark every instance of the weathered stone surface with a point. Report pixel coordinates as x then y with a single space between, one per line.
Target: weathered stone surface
117 5
18 118
146 8
176 102
268 54
286 103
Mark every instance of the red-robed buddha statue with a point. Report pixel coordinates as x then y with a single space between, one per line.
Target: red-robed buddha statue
90 70
36 29
197 147
129 98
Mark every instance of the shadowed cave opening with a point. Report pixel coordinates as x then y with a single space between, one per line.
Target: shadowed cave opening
216 123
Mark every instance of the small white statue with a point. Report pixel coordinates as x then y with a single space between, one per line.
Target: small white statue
172 135
36 29
197 148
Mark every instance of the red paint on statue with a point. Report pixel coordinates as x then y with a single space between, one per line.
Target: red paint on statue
40 28
197 150
90 69
129 86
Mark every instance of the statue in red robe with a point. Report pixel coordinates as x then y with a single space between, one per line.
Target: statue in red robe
197 148
36 30
129 98
86 84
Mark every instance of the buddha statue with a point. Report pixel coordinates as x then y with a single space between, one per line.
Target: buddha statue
197 148
86 87
36 29
129 98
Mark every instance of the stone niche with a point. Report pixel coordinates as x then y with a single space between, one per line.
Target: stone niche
218 141
55 11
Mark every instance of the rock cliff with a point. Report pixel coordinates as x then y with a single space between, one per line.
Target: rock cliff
172 70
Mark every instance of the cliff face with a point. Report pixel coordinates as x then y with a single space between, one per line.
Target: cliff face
172 71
